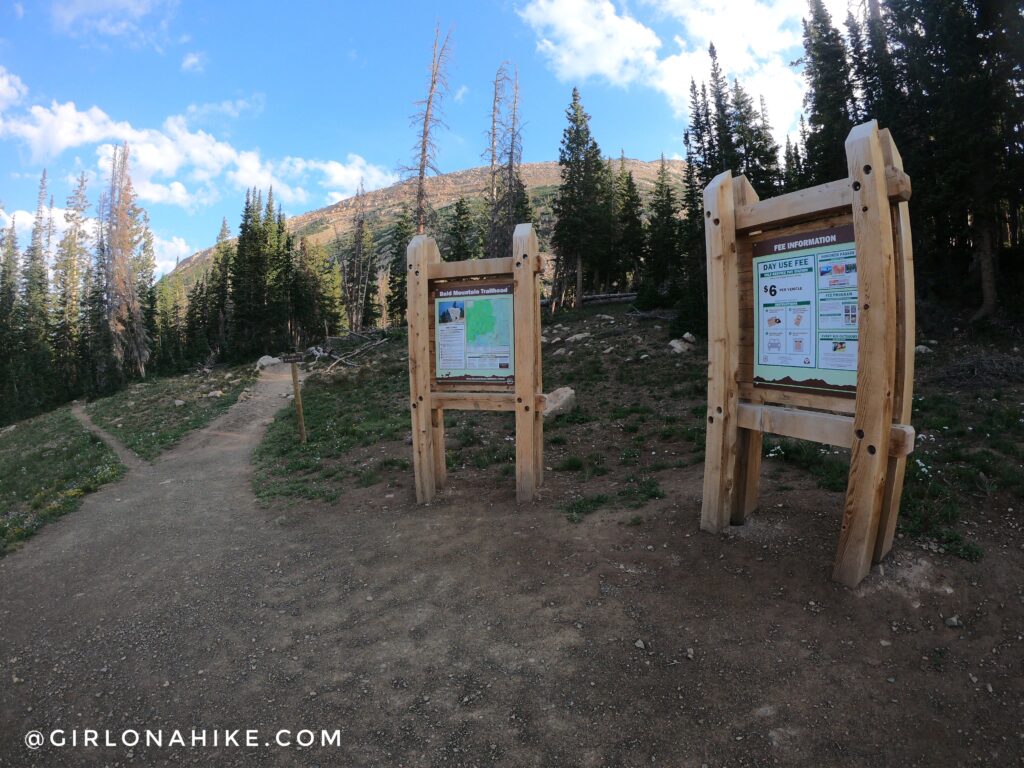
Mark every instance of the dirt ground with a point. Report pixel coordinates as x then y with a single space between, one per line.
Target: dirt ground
475 632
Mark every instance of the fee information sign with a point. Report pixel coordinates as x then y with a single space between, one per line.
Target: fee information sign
805 310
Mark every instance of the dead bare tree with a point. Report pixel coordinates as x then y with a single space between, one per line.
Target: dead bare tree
358 263
429 118
495 139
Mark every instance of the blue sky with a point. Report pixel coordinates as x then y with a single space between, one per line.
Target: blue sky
314 96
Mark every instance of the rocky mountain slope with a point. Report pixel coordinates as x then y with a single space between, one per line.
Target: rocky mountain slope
325 224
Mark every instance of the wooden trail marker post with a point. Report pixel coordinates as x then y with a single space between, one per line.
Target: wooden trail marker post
294 360
811 336
474 345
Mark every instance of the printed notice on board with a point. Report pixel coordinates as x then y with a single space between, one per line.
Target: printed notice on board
474 333
805 310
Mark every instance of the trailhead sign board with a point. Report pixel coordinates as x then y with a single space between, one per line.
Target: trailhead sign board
474 345
811 336
475 332
806 314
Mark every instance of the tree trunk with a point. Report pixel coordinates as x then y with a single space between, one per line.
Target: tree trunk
985 259
578 300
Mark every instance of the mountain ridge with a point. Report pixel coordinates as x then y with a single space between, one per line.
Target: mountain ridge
322 225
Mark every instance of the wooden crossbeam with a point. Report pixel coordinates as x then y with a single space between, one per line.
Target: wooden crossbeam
814 202
827 428
472 268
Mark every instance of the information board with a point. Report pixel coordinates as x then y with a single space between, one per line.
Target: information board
805 310
474 333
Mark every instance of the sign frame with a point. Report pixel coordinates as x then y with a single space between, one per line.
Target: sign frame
875 423
430 396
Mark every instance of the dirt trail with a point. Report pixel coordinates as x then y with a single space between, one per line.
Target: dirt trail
151 581
128 457
475 632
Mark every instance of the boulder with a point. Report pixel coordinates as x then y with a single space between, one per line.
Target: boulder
689 337
215 393
562 400
178 403
266 360
921 349
679 346
578 337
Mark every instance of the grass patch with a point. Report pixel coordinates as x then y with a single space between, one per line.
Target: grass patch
577 509
830 468
640 490
145 418
342 414
47 464
570 464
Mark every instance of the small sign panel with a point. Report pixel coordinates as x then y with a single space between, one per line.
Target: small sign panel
474 333
805 311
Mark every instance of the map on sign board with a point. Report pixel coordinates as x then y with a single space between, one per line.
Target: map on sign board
805 310
474 333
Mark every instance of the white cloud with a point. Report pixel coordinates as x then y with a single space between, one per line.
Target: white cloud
113 18
232 108
12 90
178 164
19 10
460 93
193 61
169 252
584 38
755 40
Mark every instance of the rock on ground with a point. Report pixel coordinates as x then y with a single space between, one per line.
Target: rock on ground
562 400
266 360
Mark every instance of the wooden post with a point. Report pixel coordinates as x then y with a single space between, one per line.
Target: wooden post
517 389
876 359
903 391
524 274
748 442
720 455
421 248
743 233
298 403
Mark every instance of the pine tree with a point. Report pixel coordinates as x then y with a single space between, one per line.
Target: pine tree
577 205
461 239
197 348
663 243
692 305
34 359
721 125
98 370
9 342
219 305
129 264
249 280
830 101
396 243
68 273
631 243
793 169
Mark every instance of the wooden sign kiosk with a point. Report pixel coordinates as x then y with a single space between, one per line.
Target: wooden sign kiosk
474 345
811 336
